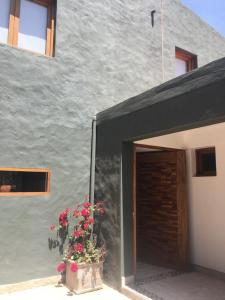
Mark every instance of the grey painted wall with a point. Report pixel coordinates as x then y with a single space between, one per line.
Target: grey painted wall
194 100
106 51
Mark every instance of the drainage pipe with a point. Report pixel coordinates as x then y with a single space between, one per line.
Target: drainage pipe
92 164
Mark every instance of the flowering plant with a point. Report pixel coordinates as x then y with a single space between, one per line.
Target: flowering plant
76 228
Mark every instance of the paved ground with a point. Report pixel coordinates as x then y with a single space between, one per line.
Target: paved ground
154 282
61 293
166 284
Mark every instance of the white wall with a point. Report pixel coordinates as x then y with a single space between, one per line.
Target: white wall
174 140
206 194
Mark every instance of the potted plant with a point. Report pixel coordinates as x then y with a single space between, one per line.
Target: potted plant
82 263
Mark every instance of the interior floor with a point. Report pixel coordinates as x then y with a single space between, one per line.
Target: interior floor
159 283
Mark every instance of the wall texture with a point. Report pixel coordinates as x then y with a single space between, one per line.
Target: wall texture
106 51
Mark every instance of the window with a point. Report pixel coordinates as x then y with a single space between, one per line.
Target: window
4 20
185 62
28 24
28 182
205 162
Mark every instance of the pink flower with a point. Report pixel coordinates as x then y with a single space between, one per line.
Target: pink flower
74 267
78 233
79 247
86 204
52 227
98 204
64 223
91 220
63 220
101 211
76 213
85 212
86 226
61 267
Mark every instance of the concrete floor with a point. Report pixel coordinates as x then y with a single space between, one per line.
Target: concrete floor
166 284
61 293
154 282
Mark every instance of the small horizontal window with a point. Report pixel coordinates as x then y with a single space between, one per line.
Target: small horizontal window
24 181
205 162
28 24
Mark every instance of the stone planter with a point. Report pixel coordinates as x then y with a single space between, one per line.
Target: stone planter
88 277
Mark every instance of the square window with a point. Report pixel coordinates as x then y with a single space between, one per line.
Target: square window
185 61
28 24
205 161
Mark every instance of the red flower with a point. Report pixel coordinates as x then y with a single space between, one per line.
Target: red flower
86 226
67 210
98 204
74 267
78 233
61 267
86 204
52 227
101 211
79 247
64 223
76 213
91 220
85 212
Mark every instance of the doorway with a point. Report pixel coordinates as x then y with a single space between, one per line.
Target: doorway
160 208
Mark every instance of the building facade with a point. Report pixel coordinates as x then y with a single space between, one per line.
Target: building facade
104 53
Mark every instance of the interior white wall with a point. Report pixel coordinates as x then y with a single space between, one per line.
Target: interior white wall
174 140
206 194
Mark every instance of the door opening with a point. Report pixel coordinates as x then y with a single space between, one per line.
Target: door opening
159 208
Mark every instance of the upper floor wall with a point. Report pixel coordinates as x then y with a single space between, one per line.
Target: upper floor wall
183 29
108 51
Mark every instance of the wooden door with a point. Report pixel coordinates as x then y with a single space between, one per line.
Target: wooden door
161 208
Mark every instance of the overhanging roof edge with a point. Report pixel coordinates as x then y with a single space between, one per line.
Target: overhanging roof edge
195 80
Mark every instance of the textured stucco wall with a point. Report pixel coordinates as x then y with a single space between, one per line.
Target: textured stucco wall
106 51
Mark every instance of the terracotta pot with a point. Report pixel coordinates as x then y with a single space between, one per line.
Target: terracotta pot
5 188
88 277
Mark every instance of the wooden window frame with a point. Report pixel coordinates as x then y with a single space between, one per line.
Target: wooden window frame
14 19
28 194
199 168
189 58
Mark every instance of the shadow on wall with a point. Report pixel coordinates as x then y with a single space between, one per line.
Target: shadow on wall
107 190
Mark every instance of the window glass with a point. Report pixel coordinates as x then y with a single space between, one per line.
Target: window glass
181 66
24 181
32 27
206 162
4 20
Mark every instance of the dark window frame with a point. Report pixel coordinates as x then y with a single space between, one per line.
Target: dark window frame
200 171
